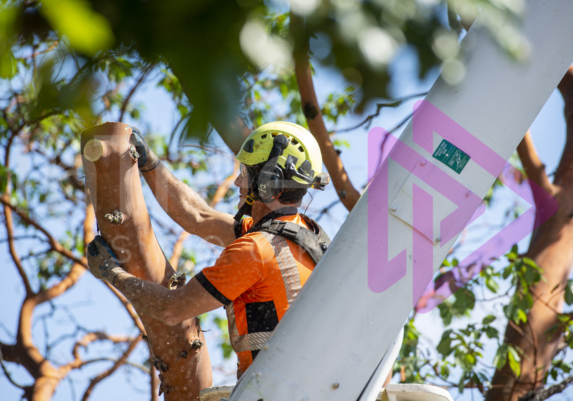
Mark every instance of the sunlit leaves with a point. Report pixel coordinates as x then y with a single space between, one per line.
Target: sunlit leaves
86 30
8 65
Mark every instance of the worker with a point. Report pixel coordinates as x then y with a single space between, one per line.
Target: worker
267 257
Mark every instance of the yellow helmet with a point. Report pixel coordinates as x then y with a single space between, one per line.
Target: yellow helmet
301 159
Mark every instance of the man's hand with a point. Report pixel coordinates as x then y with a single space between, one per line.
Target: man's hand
102 262
147 159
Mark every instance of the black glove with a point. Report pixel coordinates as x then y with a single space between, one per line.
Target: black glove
147 160
102 262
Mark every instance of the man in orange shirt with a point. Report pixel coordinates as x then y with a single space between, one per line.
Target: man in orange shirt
268 256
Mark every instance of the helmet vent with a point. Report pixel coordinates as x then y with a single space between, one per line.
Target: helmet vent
249 146
263 136
301 149
294 141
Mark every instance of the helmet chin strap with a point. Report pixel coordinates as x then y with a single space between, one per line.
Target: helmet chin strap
247 208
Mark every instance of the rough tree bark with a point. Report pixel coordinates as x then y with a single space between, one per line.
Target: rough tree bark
551 247
178 351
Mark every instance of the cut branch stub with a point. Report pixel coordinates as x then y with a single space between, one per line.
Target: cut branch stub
114 184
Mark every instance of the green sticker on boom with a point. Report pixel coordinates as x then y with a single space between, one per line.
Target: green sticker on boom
451 156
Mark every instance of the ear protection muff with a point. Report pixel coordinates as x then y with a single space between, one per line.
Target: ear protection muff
268 185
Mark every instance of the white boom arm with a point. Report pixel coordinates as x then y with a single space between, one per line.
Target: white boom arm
346 317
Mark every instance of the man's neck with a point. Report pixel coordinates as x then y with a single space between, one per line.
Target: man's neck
261 209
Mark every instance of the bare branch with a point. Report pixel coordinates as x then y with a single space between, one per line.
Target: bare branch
544 394
533 166
84 342
56 246
128 306
153 381
10 224
121 361
178 249
379 107
144 74
225 185
344 188
7 374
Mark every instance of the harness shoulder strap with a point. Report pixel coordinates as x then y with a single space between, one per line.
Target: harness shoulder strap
314 242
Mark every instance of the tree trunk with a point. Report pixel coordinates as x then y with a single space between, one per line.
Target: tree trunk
112 175
551 248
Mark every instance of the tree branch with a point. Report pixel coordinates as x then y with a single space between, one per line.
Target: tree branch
564 171
344 188
10 224
128 306
111 370
84 342
132 91
56 246
533 166
153 381
7 374
545 393
379 107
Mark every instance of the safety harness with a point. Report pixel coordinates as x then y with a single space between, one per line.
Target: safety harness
315 242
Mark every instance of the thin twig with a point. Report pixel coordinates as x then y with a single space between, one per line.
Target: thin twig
144 74
379 107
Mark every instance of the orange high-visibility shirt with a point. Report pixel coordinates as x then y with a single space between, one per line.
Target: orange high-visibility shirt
257 277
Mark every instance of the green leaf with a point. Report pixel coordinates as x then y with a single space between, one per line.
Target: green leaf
87 31
569 292
492 285
8 65
491 332
445 345
514 359
500 358
488 319
521 316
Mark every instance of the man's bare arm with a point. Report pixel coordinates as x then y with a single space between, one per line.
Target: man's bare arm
188 209
168 306
179 201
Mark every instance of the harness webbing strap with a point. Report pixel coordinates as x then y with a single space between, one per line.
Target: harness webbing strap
314 242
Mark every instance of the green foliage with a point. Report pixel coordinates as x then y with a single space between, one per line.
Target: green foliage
361 39
87 31
459 359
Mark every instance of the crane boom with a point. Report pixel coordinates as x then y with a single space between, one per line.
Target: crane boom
349 312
